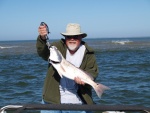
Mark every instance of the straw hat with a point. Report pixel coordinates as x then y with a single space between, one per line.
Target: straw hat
73 29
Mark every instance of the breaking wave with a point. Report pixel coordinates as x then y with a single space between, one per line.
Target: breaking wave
7 47
122 42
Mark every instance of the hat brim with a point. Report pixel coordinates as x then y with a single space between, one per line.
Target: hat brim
68 34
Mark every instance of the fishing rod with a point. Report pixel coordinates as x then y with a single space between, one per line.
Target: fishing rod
47 39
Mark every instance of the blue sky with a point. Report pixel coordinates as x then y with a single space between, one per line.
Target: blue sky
20 19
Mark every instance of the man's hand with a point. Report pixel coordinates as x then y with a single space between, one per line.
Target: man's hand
78 81
42 31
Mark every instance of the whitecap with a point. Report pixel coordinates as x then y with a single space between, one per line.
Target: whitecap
6 47
122 42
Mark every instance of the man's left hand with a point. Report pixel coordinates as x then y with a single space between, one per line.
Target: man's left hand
78 81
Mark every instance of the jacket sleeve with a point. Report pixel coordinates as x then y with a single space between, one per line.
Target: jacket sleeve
42 48
91 66
89 63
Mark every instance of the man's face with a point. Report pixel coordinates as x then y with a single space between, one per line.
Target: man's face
73 42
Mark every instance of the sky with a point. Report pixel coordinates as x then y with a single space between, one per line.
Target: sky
20 19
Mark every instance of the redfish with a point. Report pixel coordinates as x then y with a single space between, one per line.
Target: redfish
65 68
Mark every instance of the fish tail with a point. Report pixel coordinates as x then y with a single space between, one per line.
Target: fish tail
99 89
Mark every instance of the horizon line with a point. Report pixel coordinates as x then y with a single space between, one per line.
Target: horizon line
84 38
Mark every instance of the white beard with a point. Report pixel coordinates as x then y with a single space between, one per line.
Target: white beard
72 47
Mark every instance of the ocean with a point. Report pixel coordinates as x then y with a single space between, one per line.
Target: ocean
124 65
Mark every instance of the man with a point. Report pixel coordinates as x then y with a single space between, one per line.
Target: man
59 90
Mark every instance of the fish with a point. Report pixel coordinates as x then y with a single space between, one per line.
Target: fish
68 70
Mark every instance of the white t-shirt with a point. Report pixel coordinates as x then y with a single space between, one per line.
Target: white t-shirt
68 88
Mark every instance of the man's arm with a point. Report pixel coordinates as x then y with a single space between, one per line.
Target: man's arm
42 48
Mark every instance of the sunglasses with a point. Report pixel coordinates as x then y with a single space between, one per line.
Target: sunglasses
74 37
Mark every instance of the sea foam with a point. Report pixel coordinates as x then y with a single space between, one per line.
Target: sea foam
122 42
6 47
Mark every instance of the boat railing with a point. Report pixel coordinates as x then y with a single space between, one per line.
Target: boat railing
120 108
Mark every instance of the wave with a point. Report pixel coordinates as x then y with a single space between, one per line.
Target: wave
122 42
7 47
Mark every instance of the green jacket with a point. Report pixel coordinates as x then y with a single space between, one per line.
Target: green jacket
51 93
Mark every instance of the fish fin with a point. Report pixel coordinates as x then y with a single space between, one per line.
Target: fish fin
99 89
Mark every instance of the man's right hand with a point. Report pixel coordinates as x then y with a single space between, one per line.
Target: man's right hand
42 32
